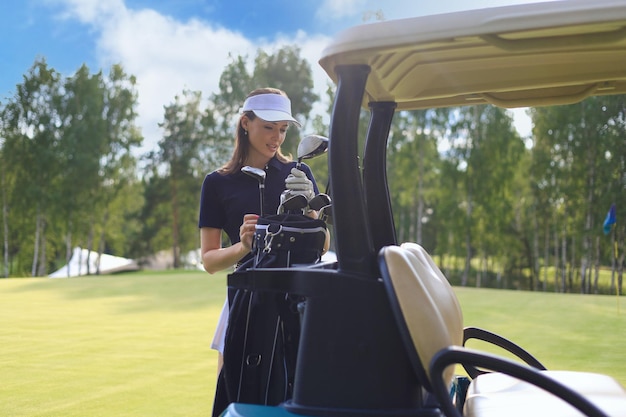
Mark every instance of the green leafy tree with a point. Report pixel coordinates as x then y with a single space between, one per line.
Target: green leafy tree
186 127
32 132
486 149
414 156
579 167
95 152
119 186
80 149
69 141
154 216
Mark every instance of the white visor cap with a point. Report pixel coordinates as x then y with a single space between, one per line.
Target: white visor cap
270 107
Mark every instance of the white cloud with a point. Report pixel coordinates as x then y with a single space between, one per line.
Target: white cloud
366 10
340 9
167 55
89 11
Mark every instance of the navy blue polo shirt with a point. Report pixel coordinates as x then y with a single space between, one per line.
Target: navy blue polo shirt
225 199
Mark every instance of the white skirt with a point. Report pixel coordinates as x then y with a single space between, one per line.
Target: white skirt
220 331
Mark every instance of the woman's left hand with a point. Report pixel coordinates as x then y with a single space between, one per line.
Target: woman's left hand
246 231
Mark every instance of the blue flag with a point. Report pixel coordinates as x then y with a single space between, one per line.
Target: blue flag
610 220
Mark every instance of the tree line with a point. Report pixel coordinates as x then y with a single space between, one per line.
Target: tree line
496 209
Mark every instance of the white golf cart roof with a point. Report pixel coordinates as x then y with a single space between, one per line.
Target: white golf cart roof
516 56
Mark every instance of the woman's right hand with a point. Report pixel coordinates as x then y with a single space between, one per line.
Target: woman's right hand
246 231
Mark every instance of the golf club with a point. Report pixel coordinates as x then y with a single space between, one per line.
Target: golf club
259 175
311 146
319 201
326 214
292 204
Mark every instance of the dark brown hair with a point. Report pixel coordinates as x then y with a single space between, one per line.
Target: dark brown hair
242 142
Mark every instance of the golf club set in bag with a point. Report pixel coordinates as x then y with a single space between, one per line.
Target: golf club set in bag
264 327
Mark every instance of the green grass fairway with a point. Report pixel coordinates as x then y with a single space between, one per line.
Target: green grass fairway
122 345
138 344
564 331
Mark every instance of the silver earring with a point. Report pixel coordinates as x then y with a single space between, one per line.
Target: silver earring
245 132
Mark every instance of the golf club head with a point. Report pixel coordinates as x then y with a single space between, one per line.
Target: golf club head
326 214
292 203
259 175
311 146
256 173
319 201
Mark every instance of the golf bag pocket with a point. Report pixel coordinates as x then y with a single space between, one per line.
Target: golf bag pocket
261 347
284 240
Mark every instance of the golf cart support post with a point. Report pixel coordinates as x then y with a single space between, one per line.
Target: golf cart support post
351 359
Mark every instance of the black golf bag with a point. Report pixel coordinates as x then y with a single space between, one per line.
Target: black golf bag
263 331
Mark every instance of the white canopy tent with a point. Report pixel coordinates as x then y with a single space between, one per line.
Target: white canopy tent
77 266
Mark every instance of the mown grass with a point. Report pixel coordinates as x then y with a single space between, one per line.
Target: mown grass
138 344
564 331
123 345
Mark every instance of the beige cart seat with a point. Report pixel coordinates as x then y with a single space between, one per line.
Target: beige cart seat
431 323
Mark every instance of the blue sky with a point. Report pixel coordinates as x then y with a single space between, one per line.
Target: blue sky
170 45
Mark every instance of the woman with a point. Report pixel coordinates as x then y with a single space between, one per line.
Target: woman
230 199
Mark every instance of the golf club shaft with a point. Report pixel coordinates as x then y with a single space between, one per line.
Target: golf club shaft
261 197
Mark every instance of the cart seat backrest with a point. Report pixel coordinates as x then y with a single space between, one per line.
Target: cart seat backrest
427 310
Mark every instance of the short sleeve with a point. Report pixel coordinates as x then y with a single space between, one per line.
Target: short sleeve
211 211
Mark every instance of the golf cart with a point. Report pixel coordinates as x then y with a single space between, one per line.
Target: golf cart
380 328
